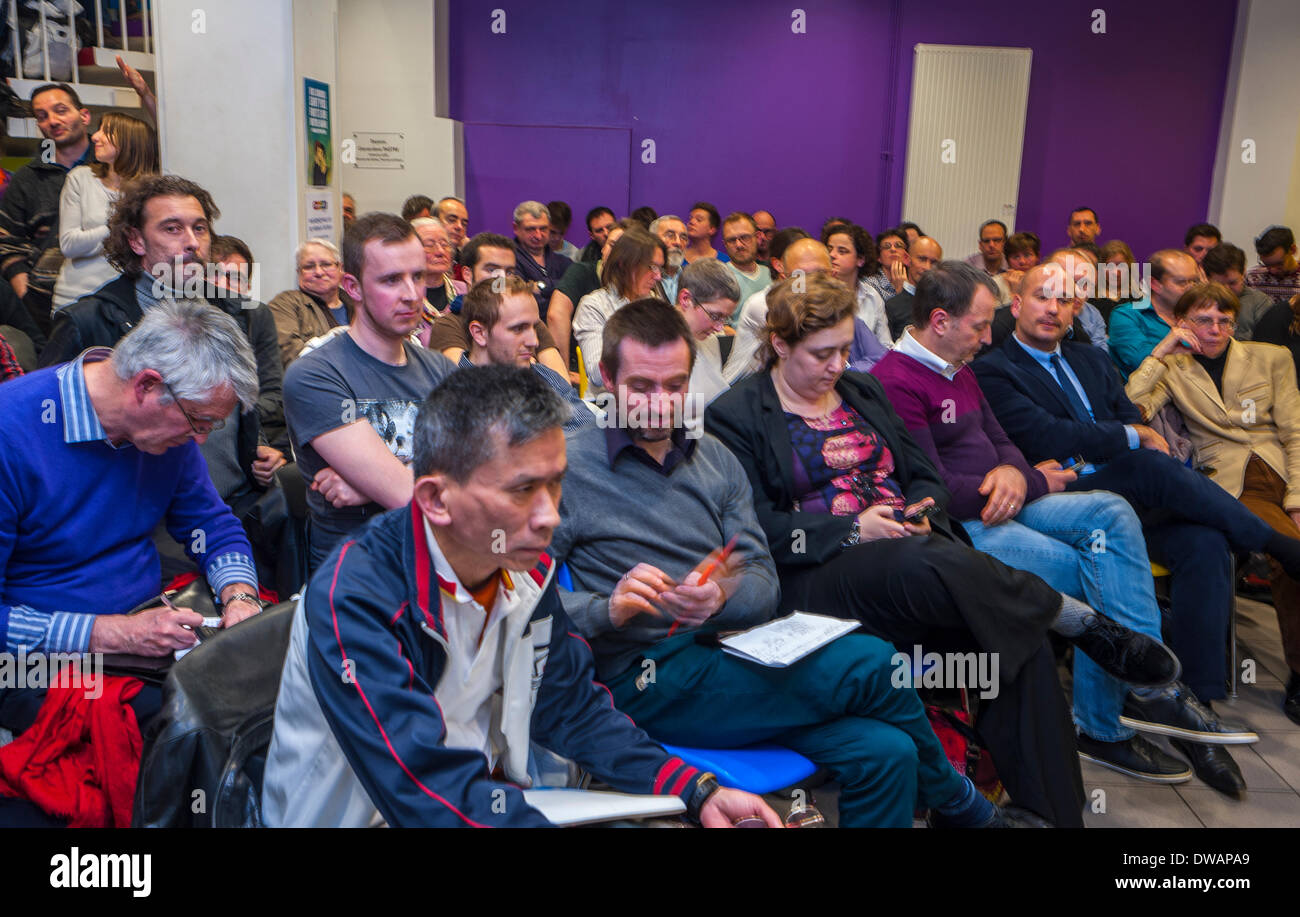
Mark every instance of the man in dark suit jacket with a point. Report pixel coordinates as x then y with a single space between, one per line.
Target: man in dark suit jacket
1190 527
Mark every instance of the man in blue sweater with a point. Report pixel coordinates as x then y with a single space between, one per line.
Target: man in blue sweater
93 455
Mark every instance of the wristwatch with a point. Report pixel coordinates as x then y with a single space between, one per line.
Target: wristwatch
244 597
705 786
853 537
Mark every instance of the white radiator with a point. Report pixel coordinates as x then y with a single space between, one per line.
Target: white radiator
965 135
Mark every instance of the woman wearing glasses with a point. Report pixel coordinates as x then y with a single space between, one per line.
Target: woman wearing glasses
1242 409
853 513
317 305
634 266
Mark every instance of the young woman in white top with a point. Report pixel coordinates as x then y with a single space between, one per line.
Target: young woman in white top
853 260
124 148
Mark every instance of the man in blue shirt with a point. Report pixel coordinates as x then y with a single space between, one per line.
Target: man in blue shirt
1137 327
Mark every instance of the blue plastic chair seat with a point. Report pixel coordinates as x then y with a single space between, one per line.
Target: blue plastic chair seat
755 769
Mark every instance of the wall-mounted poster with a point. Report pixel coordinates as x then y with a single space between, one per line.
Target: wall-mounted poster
320 155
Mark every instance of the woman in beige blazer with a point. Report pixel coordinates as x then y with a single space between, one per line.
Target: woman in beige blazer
1242 409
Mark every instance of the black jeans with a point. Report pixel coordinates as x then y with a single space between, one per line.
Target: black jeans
914 590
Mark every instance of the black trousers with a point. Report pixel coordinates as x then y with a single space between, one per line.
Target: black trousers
936 591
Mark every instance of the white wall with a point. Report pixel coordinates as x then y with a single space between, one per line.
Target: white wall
390 73
230 111
1260 104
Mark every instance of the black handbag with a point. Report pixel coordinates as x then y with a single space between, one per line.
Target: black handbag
153 669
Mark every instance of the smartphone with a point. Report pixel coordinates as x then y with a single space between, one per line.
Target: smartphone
918 513
1072 461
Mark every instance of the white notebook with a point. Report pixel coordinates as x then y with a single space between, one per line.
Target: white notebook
786 640
567 807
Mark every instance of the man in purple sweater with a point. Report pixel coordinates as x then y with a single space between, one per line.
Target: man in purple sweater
93 455
1086 544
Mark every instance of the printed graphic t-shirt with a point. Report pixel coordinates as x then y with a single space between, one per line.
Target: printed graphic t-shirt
338 384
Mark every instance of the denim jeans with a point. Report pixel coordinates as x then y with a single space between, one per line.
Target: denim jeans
1088 545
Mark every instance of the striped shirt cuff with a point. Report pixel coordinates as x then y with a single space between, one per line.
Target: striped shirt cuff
1133 440
52 632
234 567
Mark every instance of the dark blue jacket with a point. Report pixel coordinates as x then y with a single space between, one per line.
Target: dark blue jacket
1032 409
376 648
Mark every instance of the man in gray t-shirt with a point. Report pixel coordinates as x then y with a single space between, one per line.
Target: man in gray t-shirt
351 403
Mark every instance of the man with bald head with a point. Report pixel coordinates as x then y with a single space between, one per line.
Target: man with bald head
1058 399
1137 327
803 256
922 254
807 255
1078 283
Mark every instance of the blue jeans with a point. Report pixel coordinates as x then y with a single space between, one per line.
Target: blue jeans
1088 545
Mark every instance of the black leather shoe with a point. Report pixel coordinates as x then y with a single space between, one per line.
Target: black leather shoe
1126 654
1136 757
1215 766
1176 713
1291 701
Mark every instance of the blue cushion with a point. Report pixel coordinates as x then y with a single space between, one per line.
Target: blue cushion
756 769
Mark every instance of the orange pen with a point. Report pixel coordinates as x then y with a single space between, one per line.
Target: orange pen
710 567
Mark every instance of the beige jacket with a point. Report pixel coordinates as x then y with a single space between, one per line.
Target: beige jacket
300 317
1258 413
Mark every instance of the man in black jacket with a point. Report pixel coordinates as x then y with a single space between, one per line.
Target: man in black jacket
29 214
160 237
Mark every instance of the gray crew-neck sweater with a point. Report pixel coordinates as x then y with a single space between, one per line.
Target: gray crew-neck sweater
613 519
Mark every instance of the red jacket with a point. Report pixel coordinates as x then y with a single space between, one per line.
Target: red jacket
81 757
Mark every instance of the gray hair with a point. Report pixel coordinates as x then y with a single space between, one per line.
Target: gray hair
427 221
451 430
708 280
534 209
323 243
658 222
195 347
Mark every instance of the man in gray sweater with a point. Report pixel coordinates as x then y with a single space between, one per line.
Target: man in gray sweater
647 505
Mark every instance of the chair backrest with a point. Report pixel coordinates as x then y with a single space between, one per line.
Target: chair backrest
583 382
203 757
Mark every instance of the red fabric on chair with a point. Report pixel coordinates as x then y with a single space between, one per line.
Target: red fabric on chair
81 757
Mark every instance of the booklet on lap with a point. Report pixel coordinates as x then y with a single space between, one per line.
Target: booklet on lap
786 640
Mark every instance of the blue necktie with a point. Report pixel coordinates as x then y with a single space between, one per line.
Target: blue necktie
1077 407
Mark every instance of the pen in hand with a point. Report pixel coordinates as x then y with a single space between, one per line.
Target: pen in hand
709 569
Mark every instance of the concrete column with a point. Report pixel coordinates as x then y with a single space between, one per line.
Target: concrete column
1257 170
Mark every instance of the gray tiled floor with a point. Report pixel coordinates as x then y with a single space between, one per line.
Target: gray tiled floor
1271 767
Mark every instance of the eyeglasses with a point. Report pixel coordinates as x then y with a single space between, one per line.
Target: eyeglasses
718 318
212 425
732 240
437 244
1206 321
317 266
657 270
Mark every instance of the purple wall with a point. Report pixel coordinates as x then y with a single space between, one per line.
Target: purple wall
746 114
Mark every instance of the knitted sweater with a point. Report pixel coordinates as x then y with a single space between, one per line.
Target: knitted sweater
614 518
77 519
955 426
